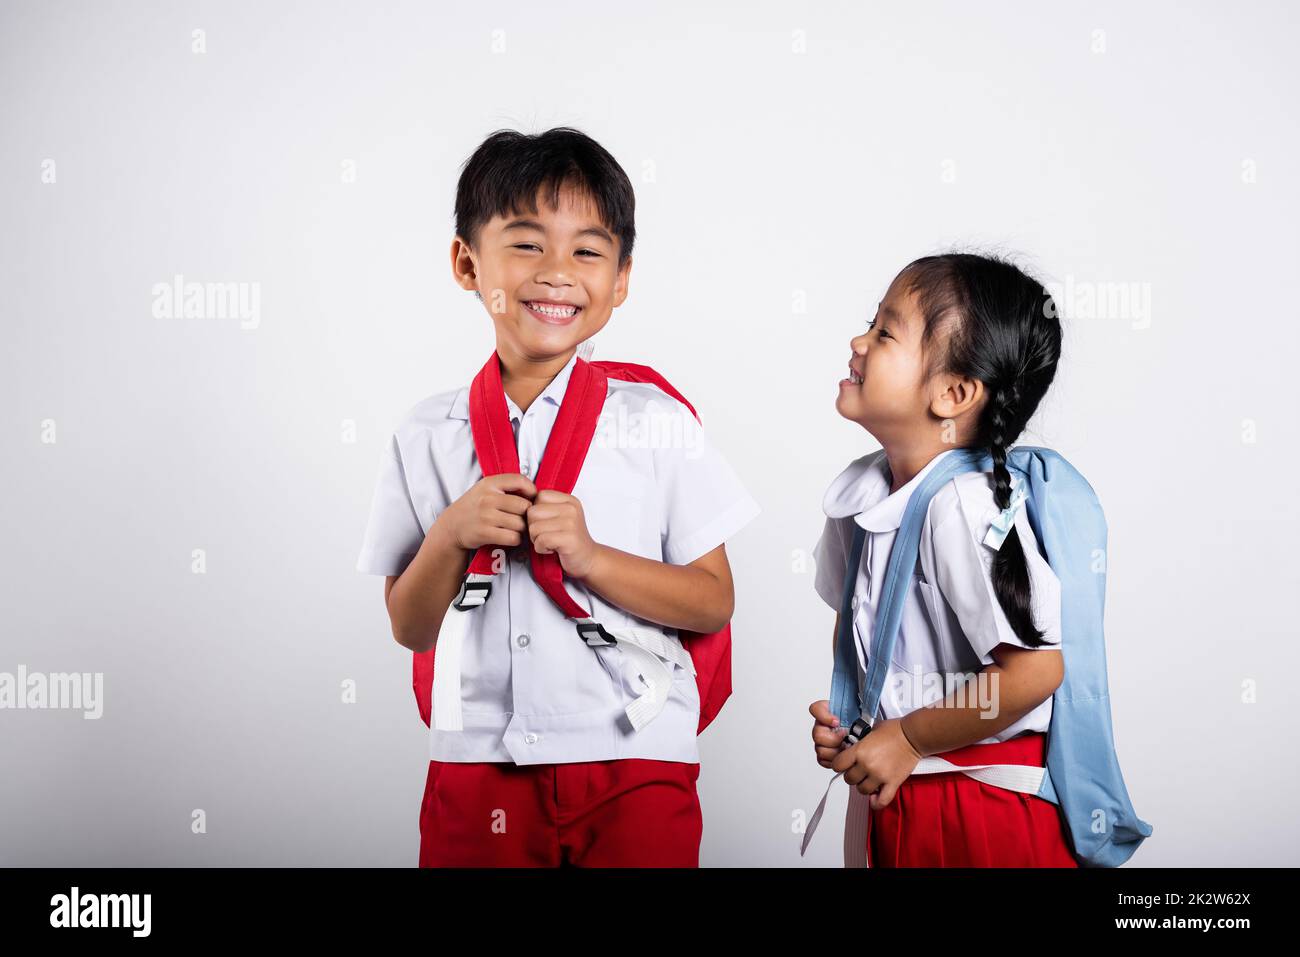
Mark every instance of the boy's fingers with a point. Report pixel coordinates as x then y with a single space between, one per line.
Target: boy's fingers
513 503
513 482
504 519
502 536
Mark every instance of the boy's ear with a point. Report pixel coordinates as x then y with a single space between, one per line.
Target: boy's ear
953 395
463 268
621 282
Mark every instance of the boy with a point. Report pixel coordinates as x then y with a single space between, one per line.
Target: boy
541 765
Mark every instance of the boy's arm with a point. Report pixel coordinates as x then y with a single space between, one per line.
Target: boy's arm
694 597
1019 680
490 513
697 597
418 599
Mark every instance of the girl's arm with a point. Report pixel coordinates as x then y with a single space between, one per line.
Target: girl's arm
1019 680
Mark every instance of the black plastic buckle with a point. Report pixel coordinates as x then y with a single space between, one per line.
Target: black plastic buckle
857 732
468 586
589 631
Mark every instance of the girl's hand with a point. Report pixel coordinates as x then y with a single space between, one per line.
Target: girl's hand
490 513
881 761
827 734
556 524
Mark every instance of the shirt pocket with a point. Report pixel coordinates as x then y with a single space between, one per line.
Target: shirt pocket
936 612
952 654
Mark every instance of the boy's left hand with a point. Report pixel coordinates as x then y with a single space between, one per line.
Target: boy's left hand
880 762
556 524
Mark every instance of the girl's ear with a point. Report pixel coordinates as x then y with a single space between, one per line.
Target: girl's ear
953 395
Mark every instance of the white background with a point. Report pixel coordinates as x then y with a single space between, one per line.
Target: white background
788 160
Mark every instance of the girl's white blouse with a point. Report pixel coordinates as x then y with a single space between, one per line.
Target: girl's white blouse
951 616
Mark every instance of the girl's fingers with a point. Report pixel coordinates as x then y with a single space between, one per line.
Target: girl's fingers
821 710
827 737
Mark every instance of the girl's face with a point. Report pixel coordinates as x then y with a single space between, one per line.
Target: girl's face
886 391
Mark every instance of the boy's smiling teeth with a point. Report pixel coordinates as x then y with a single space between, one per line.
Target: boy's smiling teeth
552 310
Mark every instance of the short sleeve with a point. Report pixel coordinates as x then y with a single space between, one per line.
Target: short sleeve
963 573
702 501
393 533
831 555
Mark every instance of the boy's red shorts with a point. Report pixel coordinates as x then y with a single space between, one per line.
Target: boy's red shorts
952 820
632 812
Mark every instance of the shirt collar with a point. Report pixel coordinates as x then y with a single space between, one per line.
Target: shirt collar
553 393
862 491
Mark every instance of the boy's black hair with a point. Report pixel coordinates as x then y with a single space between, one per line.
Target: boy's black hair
508 169
1002 329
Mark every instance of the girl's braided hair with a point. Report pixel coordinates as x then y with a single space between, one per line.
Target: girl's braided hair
997 325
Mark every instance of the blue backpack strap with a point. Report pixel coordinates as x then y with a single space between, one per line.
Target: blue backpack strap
1083 773
845 700
898 573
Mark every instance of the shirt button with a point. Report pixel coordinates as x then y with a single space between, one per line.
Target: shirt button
522 641
519 556
525 470
530 739
853 602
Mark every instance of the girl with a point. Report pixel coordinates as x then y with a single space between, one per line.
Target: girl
960 353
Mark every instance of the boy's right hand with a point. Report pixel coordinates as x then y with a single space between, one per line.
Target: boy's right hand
827 734
490 513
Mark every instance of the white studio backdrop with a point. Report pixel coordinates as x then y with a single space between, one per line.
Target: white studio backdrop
184 498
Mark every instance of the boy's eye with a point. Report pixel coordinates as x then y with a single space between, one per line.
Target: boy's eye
589 252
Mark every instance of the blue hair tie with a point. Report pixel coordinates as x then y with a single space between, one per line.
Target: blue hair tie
998 531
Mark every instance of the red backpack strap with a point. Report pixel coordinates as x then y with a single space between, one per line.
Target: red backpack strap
710 653
494 444
566 450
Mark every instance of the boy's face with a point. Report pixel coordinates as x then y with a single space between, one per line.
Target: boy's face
548 279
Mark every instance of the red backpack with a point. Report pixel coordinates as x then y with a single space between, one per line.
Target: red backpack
566 449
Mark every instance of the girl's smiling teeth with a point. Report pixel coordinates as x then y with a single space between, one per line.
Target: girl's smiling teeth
854 377
549 311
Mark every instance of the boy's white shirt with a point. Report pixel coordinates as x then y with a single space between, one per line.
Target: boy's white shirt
532 691
951 617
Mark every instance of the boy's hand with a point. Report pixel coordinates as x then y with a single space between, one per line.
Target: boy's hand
556 524
880 761
826 732
490 513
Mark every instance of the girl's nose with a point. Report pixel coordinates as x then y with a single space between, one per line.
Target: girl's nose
859 343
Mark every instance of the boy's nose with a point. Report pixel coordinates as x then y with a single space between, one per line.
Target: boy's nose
552 271
859 343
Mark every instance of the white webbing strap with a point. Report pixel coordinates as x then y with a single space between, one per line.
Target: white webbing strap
651 651
447 657
1025 778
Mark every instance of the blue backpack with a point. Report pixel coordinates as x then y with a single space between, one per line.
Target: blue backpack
1082 774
